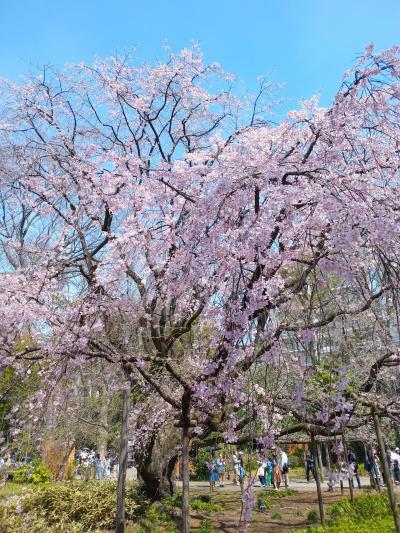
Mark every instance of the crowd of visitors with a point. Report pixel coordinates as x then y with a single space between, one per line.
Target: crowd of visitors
92 466
273 469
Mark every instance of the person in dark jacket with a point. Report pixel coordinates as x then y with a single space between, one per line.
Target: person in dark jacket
309 465
354 467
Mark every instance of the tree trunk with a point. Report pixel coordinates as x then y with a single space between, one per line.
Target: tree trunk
319 491
385 467
123 461
156 462
185 480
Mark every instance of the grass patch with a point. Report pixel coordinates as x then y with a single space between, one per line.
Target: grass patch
313 516
368 514
199 503
276 516
206 527
284 493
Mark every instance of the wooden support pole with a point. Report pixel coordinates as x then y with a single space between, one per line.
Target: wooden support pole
327 456
319 490
386 470
123 462
320 465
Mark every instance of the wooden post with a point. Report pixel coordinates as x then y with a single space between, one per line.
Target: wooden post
385 466
319 455
185 480
346 457
327 456
319 490
185 423
123 462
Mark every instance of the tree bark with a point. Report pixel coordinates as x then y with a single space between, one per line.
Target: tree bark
319 490
156 462
385 467
123 462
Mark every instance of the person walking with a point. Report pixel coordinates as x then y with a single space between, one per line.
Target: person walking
284 462
106 468
372 469
276 474
236 465
212 467
353 468
221 463
242 472
261 474
396 471
98 466
268 471
309 465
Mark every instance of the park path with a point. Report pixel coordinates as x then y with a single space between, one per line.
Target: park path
298 484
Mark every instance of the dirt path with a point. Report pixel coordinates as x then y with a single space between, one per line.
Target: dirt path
289 513
286 514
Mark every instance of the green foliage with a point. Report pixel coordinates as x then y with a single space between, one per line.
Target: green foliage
172 501
68 507
206 527
297 458
276 516
34 472
363 507
201 503
204 498
207 507
313 516
368 514
282 493
200 470
155 519
264 497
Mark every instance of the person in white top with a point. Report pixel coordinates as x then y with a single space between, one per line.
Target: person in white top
236 465
284 462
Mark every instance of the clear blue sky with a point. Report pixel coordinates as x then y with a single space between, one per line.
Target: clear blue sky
305 43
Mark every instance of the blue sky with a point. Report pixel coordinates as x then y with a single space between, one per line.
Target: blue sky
305 44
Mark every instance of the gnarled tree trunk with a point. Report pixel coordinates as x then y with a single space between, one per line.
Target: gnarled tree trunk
156 463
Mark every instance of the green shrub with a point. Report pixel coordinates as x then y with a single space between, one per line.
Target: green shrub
34 472
363 508
206 527
368 514
313 516
172 501
281 493
266 499
207 507
204 498
199 464
68 507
